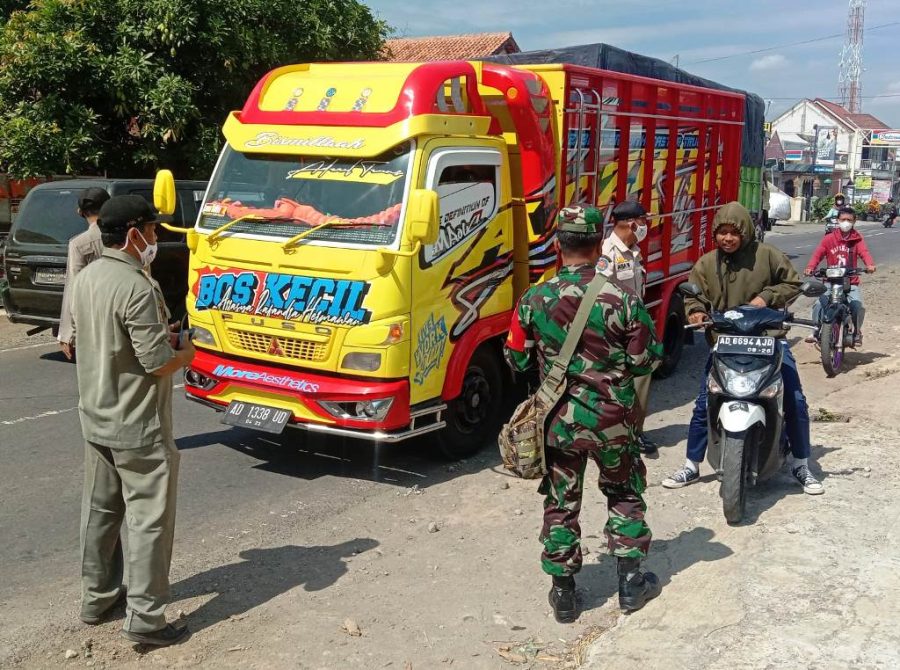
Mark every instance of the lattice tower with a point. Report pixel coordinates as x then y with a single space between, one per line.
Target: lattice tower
850 77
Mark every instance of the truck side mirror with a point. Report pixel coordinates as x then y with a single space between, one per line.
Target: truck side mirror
422 218
164 192
690 290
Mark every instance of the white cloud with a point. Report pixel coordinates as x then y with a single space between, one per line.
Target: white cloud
893 87
770 62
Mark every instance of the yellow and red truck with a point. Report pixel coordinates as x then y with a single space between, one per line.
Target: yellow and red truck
369 227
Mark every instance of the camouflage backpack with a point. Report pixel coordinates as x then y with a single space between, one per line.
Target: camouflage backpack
521 440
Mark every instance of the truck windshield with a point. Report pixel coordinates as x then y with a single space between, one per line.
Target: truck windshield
282 196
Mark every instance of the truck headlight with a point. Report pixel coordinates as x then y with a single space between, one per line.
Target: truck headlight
360 410
742 384
360 361
203 335
198 380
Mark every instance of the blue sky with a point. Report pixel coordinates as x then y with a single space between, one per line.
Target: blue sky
695 30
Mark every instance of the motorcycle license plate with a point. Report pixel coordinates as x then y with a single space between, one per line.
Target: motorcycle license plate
750 344
259 417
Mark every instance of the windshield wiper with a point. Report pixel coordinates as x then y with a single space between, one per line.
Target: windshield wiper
288 244
217 233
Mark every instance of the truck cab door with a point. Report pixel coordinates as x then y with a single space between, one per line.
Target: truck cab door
466 274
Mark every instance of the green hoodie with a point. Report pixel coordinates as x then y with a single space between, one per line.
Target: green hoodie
755 269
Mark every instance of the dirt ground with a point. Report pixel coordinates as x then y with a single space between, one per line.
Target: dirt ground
447 575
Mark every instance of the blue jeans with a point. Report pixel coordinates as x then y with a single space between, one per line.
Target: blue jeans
857 309
796 411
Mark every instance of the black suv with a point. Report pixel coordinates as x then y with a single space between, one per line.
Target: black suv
37 247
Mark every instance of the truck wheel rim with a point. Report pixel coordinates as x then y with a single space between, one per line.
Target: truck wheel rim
475 400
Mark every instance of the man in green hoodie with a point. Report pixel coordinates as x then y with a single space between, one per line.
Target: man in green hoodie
743 271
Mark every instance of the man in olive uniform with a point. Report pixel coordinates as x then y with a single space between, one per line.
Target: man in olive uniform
596 416
84 248
125 366
622 259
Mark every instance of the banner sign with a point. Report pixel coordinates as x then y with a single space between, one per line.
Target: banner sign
886 138
881 189
826 146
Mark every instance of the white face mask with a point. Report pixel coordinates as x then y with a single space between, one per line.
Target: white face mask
845 226
640 232
148 253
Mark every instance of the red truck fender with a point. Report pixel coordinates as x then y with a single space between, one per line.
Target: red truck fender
480 332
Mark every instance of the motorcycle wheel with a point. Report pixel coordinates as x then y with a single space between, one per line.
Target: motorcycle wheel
735 475
831 344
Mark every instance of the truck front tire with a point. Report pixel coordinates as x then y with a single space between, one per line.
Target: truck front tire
673 337
473 417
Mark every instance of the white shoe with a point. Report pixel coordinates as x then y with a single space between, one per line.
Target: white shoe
810 484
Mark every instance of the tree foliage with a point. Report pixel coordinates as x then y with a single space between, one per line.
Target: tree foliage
127 86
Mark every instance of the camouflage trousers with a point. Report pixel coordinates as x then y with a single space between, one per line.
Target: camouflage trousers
622 480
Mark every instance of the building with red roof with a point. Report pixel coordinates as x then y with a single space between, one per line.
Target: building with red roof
449 47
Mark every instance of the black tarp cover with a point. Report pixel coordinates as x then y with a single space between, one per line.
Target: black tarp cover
607 57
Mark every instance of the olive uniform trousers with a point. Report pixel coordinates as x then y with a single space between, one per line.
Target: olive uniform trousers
137 486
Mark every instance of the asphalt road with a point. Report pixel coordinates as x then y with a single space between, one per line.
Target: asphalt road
799 240
226 474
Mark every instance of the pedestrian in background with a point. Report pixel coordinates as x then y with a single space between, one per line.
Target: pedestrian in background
125 365
84 248
596 416
621 258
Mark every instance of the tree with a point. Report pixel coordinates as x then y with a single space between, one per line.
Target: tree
127 86
7 7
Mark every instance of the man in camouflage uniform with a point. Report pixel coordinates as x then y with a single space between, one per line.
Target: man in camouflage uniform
595 418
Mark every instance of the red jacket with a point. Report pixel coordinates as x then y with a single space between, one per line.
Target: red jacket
841 250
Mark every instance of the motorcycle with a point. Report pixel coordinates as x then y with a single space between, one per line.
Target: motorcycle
836 330
889 222
745 396
831 223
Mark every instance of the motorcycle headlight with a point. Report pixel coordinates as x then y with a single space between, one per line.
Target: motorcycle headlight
712 385
772 389
742 384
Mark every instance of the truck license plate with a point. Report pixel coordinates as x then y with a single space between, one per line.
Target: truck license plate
749 344
259 417
52 276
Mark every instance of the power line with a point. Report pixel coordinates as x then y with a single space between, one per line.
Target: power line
790 44
865 97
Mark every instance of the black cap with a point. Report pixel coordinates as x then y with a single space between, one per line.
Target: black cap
125 211
92 198
630 209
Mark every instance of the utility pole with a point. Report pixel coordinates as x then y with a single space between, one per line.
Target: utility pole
850 76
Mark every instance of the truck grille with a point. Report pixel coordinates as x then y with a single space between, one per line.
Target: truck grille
278 345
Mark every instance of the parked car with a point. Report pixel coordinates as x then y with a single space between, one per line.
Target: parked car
37 246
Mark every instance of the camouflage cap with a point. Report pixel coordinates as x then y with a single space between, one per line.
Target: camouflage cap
576 219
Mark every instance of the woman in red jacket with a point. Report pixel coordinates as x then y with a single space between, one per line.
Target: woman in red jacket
842 247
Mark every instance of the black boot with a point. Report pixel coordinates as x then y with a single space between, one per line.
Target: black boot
635 587
562 599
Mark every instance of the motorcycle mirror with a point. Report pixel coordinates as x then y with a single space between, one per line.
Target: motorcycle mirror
813 289
690 289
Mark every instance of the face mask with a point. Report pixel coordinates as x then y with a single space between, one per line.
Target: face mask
640 232
149 252
845 226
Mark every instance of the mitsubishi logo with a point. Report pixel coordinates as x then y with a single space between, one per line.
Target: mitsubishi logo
275 348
